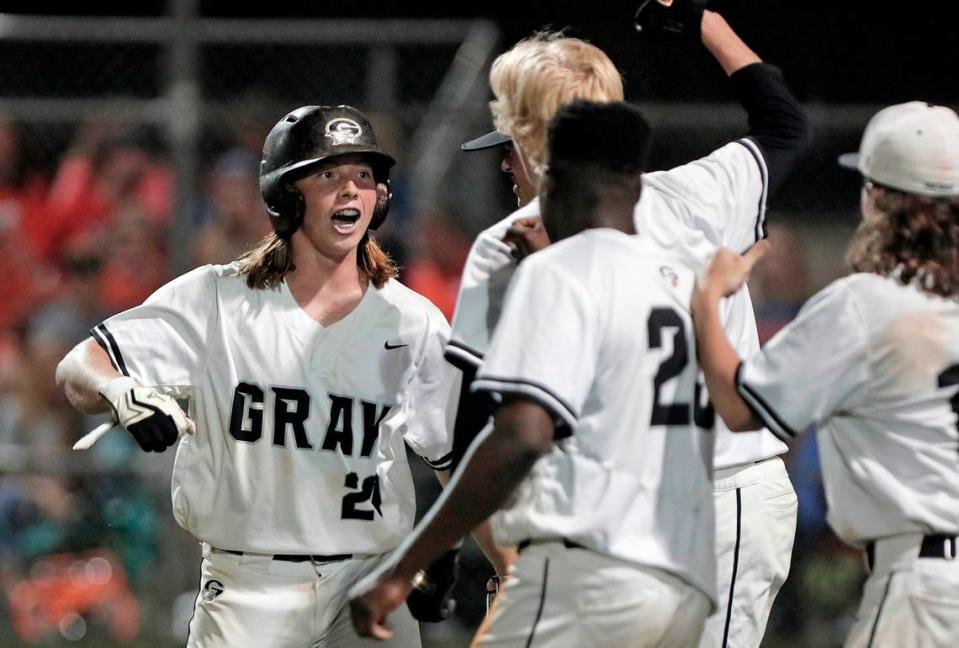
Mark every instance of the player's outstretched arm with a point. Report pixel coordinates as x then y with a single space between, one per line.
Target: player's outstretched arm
496 464
725 275
93 386
82 373
501 558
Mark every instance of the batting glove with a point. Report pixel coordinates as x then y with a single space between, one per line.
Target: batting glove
431 599
670 19
155 420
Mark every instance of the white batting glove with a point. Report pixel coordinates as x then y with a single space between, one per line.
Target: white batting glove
155 420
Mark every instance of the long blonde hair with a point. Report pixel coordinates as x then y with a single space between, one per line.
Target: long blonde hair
538 76
267 264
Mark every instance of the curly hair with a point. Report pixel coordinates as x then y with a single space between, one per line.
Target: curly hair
915 238
538 76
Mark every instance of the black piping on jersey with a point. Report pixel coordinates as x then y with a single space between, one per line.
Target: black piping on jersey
882 603
762 410
443 463
199 593
542 602
105 339
756 152
732 582
542 394
461 356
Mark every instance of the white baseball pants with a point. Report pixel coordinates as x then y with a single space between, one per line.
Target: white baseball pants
908 600
254 601
756 511
560 597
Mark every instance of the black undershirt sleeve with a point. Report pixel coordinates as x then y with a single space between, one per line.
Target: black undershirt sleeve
776 121
473 413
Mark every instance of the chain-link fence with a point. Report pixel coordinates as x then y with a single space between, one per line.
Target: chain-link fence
133 125
151 128
201 86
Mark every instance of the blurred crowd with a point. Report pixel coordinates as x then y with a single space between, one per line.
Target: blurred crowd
89 238
81 241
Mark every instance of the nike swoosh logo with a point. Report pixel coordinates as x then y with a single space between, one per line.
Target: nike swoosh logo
388 346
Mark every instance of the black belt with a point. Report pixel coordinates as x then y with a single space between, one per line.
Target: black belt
296 557
569 544
933 546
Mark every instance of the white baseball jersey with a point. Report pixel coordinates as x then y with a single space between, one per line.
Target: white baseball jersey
299 447
876 364
596 329
688 211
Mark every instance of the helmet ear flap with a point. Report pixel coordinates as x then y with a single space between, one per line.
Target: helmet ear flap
285 206
384 194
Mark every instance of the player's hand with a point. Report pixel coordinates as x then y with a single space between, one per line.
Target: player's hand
155 420
431 598
670 19
728 271
525 236
369 607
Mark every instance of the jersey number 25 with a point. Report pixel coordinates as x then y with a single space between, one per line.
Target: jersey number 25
661 319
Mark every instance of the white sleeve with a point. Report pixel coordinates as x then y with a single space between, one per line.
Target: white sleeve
722 195
164 340
486 274
545 346
434 396
812 368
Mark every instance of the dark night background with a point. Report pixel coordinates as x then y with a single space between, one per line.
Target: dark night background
854 54
859 52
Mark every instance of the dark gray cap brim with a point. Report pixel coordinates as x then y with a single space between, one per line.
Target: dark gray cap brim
490 140
849 161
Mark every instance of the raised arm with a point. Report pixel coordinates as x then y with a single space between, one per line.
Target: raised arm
776 121
725 45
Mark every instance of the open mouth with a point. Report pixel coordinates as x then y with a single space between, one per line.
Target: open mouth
345 220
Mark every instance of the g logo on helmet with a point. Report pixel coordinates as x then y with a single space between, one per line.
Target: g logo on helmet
343 131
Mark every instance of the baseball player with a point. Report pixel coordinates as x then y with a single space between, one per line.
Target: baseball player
873 360
686 211
309 368
596 457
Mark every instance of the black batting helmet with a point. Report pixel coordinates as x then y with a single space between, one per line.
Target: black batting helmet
308 136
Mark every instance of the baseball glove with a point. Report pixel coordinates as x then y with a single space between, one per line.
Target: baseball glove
154 419
670 19
431 599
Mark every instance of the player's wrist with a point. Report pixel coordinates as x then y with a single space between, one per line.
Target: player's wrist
405 570
114 389
705 298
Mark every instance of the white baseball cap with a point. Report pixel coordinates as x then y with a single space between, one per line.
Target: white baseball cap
912 147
